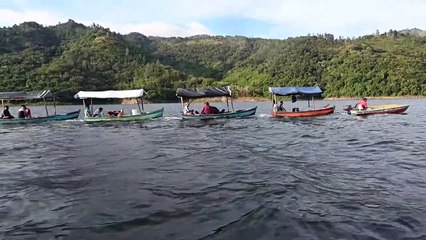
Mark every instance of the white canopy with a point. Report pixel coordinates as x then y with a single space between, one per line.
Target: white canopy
110 94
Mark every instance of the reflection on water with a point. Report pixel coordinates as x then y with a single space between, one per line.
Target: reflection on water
331 177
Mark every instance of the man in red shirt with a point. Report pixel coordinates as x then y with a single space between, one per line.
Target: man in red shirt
362 104
206 109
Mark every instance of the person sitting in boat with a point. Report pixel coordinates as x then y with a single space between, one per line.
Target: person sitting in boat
120 113
207 109
362 105
6 114
274 106
281 107
24 112
98 112
216 110
187 111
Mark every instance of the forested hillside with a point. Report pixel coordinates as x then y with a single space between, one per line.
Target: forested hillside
70 57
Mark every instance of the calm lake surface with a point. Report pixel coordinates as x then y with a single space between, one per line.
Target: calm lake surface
331 177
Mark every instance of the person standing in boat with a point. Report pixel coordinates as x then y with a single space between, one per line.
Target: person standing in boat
362 105
6 114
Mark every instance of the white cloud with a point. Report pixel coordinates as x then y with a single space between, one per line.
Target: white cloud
162 29
9 17
186 17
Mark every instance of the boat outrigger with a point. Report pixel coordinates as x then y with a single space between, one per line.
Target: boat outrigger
188 94
379 109
35 95
299 91
135 116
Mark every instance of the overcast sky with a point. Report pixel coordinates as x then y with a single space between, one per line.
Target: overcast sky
252 18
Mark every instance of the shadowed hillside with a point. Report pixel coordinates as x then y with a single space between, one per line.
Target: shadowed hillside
70 57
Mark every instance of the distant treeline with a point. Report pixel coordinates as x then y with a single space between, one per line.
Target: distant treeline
70 57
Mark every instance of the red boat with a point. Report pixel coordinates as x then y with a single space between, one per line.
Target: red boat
301 92
308 113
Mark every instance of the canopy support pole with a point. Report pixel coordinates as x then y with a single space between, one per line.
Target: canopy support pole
313 101
45 107
139 106
91 106
84 108
183 106
54 104
227 103
232 105
143 109
2 103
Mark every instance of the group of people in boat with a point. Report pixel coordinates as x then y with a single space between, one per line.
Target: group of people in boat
99 112
206 110
23 113
280 108
361 105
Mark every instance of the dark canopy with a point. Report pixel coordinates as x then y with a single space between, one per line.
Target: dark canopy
26 95
289 91
204 93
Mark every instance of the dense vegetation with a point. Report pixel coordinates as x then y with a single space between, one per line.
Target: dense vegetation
70 57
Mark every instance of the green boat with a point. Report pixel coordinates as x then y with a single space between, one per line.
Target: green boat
189 94
113 116
35 95
144 116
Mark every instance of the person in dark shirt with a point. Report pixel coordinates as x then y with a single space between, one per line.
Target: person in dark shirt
6 114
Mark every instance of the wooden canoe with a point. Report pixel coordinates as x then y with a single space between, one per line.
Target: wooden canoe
236 114
307 113
139 117
60 117
380 109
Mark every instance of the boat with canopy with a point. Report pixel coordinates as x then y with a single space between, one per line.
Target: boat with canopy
305 92
190 94
35 95
137 94
378 109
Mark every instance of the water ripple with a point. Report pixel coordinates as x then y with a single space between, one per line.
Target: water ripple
332 177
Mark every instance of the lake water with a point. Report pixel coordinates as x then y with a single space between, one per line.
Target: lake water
330 177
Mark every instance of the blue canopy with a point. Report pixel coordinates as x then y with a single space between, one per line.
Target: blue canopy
288 91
